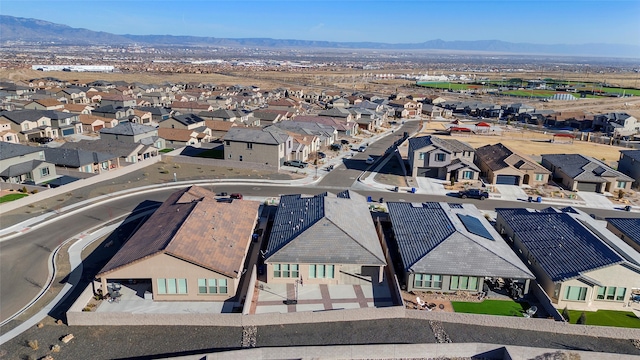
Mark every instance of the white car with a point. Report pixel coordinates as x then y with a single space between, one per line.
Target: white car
370 160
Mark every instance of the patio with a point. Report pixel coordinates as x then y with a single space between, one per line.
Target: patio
272 298
132 300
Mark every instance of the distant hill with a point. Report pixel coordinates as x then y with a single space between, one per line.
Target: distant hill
33 30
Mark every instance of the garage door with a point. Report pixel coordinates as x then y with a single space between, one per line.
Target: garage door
585 186
427 172
508 180
67 132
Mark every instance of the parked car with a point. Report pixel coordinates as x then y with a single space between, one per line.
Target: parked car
473 193
344 141
321 155
236 196
296 163
43 140
370 160
336 147
362 148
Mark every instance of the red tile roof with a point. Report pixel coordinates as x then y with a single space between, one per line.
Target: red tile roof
193 226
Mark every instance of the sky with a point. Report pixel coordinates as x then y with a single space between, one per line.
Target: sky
539 22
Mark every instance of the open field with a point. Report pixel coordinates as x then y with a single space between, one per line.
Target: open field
535 143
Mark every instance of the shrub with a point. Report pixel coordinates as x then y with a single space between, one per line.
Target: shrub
565 314
33 344
582 319
34 191
24 189
620 194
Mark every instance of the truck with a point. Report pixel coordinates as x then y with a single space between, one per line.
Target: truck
296 163
473 193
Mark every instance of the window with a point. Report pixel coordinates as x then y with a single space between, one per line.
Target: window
105 165
467 174
464 283
321 271
611 293
539 177
227 142
212 286
421 156
285 270
172 286
427 281
249 146
575 293
44 171
621 184
440 157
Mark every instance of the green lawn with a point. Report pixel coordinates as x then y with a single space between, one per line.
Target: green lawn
444 85
211 154
607 318
165 150
491 307
11 197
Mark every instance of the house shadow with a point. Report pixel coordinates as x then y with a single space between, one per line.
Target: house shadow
83 276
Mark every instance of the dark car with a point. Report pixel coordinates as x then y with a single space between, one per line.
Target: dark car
321 155
236 196
344 142
473 193
43 140
336 147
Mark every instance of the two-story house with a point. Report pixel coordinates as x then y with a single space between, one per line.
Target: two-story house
441 158
30 124
256 145
24 164
629 164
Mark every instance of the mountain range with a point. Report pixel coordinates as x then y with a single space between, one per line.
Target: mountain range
39 31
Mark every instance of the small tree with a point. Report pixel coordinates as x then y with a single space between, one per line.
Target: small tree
453 180
620 194
565 314
582 319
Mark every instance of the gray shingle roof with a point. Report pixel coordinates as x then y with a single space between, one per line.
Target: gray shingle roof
20 116
257 136
451 145
321 229
21 168
628 226
118 148
188 119
154 110
583 168
633 154
11 150
75 157
128 128
433 239
561 245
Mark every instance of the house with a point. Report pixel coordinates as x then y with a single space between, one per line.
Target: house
629 164
442 158
81 160
315 239
30 124
326 134
91 123
268 117
77 108
126 152
222 115
518 108
141 117
501 165
158 114
434 111
117 100
190 106
6 133
257 145
44 104
584 173
186 121
24 164
192 248
218 128
133 133
451 247
182 137
345 128
577 261
616 124
65 123
405 108
627 229
113 112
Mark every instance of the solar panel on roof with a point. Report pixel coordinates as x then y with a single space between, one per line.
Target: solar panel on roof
474 226
455 206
